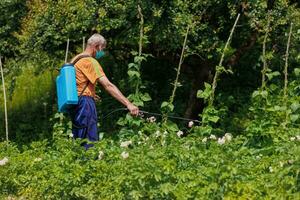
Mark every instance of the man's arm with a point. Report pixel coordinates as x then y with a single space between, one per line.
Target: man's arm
117 94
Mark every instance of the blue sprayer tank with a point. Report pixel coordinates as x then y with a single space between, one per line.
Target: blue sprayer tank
66 87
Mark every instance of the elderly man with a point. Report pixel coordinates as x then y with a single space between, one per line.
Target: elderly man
88 73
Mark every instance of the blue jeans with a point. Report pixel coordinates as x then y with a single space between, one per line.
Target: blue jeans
85 120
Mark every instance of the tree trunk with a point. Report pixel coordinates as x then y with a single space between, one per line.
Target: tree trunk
199 73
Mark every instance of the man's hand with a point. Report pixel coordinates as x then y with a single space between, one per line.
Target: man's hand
134 110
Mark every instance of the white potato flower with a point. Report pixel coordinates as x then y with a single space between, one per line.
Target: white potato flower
157 133
165 133
101 155
292 138
228 137
212 137
204 140
126 143
151 119
191 124
221 140
3 161
124 155
179 133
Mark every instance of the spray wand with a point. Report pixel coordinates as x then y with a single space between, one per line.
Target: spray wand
142 112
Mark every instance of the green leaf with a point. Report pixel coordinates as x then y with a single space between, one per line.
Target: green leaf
136 122
171 107
167 105
277 108
172 127
255 93
136 100
166 188
136 194
178 84
133 65
133 73
207 85
164 104
200 94
121 121
146 97
206 93
138 103
134 53
264 93
297 71
295 106
214 119
139 59
294 117
229 71
273 87
128 117
272 74
220 68
57 115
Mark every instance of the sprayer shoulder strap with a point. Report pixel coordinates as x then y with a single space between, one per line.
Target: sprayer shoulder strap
74 62
79 57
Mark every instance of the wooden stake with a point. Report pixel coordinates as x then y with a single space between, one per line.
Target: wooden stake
218 72
141 30
83 43
4 95
67 51
286 63
265 66
141 16
285 95
179 65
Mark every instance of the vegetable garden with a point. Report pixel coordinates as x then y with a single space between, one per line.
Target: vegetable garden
218 81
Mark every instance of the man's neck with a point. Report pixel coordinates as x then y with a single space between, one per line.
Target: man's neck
88 51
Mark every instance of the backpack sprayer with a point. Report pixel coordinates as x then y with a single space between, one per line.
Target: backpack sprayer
66 86
67 95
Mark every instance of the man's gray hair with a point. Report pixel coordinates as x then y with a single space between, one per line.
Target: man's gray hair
96 39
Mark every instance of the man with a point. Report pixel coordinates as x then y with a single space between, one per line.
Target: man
88 73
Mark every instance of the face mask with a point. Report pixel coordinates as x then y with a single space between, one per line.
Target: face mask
99 54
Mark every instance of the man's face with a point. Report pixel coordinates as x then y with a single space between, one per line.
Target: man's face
99 53
98 47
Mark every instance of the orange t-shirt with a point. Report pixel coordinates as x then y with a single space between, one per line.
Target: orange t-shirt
88 70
